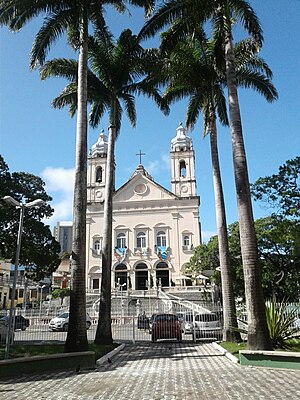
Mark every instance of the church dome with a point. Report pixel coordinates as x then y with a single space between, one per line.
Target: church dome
100 148
181 142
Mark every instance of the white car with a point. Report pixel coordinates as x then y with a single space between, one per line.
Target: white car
207 325
186 319
61 323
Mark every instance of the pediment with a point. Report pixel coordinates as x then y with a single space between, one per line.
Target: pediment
141 187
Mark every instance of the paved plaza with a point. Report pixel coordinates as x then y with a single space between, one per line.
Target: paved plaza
160 371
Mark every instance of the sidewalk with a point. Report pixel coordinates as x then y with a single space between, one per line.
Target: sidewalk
160 371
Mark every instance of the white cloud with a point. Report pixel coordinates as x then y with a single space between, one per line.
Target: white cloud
166 160
157 167
153 167
206 235
59 179
60 186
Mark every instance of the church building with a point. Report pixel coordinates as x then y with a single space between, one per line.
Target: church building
154 229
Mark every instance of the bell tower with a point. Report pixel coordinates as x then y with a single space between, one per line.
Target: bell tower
183 164
96 174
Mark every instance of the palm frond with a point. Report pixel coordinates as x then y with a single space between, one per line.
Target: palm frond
195 106
129 104
60 67
260 83
51 30
16 13
97 111
220 105
247 16
68 97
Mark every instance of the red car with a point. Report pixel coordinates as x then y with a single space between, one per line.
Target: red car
166 326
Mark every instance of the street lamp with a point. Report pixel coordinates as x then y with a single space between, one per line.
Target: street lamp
22 206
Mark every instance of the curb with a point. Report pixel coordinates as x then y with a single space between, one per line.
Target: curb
109 355
226 353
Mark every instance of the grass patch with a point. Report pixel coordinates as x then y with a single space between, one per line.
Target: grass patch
292 345
234 348
21 350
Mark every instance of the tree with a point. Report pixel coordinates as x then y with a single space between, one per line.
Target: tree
187 18
279 250
117 69
73 17
195 68
281 191
60 293
279 255
205 257
39 250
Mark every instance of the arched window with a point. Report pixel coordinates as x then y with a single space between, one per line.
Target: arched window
186 240
161 239
141 240
97 245
99 172
182 169
121 241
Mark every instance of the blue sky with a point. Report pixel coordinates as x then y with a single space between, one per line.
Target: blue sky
38 139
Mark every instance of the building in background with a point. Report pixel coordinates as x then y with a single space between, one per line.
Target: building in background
154 229
4 283
63 235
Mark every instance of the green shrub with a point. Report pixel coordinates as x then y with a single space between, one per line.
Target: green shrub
281 323
280 319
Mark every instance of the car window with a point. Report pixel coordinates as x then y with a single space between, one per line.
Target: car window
166 317
189 317
206 317
64 315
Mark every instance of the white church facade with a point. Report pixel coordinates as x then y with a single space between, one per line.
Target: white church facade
154 229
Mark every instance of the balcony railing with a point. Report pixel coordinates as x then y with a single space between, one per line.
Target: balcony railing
141 251
188 247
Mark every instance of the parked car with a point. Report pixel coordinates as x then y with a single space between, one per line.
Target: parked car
207 325
61 323
166 326
186 319
19 323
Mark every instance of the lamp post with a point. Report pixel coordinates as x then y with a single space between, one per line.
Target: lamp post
22 206
121 291
41 298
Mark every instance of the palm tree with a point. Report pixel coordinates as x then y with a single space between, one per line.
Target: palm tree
194 69
187 18
115 76
72 16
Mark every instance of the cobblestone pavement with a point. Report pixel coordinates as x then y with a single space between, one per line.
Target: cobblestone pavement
160 371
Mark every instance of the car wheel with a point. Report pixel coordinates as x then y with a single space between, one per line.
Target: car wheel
65 327
23 328
88 325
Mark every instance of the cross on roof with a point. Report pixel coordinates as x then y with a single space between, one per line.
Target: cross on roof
140 154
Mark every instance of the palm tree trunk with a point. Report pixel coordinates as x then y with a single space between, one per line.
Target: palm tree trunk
103 333
229 310
258 334
77 337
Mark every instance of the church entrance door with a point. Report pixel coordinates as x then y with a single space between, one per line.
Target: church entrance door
141 277
121 276
162 274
